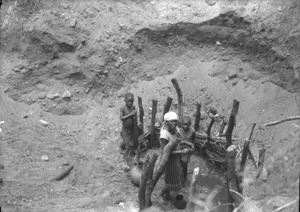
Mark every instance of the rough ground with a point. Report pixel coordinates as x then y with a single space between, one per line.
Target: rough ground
68 63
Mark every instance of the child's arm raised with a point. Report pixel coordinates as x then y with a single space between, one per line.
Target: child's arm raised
124 117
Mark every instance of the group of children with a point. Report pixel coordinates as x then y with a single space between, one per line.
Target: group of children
171 131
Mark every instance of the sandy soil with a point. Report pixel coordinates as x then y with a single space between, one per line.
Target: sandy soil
65 66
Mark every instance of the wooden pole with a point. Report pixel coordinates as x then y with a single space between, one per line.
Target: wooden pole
160 168
167 106
232 122
251 133
143 182
180 98
141 117
246 149
244 156
252 157
260 161
197 117
212 121
232 186
154 109
149 177
223 124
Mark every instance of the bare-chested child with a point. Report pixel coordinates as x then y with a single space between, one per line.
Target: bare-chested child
188 136
128 116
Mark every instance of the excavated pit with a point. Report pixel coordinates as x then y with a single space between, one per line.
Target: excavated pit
151 52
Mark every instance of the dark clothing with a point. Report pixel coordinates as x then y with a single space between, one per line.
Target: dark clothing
173 175
173 170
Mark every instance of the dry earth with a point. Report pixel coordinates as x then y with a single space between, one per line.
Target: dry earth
65 66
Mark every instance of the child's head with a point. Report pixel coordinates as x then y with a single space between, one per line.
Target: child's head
186 123
129 98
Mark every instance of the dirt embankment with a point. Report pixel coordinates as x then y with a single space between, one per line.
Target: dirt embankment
65 58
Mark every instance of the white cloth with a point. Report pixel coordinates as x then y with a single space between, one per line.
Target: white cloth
169 116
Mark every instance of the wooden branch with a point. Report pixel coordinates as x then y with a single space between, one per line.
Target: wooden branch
231 174
167 106
246 150
244 157
143 182
251 133
202 136
141 116
223 124
180 98
286 205
154 109
212 121
149 177
197 117
260 162
291 118
232 122
252 157
161 166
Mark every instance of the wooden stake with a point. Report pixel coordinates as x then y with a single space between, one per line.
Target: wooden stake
149 178
252 157
251 133
232 122
154 109
246 149
180 98
197 117
141 117
231 174
143 182
160 168
260 161
212 121
223 124
167 106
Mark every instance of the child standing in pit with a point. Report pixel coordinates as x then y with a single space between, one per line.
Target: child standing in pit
128 116
188 136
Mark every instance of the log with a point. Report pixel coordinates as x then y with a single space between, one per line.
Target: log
197 117
231 122
180 98
141 116
154 110
291 118
167 106
143 182
149 178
